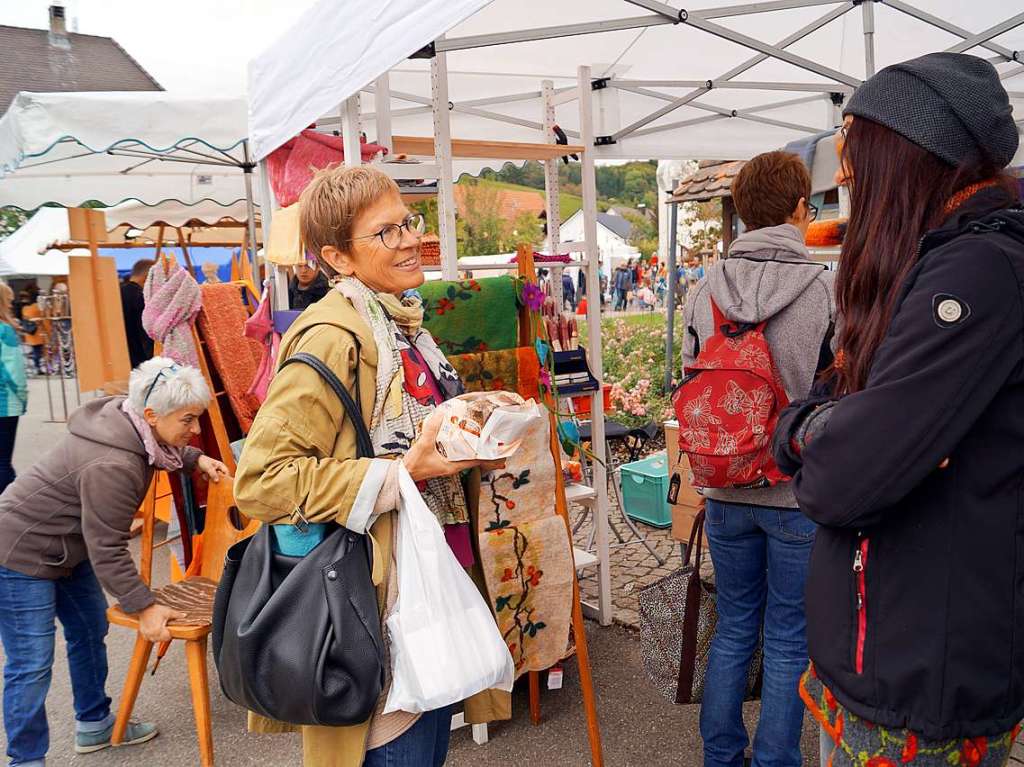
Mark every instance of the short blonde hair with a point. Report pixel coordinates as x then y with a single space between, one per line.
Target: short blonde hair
333 200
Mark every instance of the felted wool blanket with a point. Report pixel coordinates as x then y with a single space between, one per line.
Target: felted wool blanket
172 301
472 315
526 556
235 357
515 370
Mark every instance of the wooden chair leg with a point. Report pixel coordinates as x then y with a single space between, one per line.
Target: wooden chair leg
534 697
136 672
195 652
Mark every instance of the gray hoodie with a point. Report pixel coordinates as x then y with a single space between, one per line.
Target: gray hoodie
77 503
768 275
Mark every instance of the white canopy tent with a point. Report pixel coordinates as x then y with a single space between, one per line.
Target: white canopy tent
182 157
624 79
27 252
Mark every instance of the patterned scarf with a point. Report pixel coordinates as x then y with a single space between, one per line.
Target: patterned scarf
397 411
161 456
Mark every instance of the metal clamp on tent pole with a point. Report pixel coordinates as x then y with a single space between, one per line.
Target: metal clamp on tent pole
599 83
838 99
428 51
604 140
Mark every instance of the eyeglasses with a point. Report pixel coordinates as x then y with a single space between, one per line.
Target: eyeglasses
812 211
391 235
149 391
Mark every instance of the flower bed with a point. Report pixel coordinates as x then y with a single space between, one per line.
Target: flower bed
634 365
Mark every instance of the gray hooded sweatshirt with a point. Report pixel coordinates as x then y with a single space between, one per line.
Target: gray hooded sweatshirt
768 275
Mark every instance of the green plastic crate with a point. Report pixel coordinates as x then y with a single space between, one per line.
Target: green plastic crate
645 490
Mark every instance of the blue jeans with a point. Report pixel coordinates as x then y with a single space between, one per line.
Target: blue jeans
761 556
425 744
28 607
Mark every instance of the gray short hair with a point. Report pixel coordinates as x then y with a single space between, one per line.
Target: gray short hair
164 386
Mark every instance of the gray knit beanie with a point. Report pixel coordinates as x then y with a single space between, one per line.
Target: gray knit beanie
951 104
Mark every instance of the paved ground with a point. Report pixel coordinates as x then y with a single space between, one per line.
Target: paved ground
639 728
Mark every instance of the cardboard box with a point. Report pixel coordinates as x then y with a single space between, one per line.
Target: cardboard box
689 500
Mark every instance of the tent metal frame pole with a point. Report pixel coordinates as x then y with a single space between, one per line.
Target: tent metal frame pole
947 26
1011 73
250 211
551 190
745 114
350 130
670 303
984 36
547 33
382 112
588 181
463 109
799 34
732 85
868 14
443 156
280 274
774 51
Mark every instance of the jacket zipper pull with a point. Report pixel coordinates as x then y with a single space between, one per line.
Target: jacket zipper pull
858 562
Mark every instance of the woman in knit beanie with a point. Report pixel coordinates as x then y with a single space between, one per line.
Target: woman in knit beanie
911 460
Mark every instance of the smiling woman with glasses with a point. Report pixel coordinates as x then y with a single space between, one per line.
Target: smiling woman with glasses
301 470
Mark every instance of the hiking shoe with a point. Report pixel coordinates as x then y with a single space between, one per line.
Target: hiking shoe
137 732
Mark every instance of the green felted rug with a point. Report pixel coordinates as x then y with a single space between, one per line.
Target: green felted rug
472 315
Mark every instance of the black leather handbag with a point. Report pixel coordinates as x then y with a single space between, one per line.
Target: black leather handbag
298 639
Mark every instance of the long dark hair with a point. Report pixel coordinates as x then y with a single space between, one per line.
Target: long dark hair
898 191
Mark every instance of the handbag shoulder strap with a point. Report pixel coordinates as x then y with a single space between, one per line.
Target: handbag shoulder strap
364 445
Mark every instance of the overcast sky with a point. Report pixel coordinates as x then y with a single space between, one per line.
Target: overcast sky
202 46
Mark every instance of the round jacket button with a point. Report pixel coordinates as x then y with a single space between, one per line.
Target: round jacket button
950 310
332 575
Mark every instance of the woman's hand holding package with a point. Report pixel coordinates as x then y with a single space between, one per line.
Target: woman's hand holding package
424 462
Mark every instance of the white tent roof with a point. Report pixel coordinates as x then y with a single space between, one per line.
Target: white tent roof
771 71
147 147
24 252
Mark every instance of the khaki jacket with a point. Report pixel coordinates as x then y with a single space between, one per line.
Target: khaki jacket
283 467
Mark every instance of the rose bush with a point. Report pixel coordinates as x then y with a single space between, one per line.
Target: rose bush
634 367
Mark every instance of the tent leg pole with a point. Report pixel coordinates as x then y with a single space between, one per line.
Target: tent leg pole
250 214
670 304
868 12
443 155
588 180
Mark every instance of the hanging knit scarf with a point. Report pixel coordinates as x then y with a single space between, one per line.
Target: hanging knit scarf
400 405
172 300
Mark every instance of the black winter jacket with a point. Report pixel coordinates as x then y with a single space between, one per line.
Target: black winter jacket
915 595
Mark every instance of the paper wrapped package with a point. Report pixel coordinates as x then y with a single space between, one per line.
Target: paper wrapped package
485 426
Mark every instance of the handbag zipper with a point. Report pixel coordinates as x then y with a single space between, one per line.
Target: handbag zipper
860 564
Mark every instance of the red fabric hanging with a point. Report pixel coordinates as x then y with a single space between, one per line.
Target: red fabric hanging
292 164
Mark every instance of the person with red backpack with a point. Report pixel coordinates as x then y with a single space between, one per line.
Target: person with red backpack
758 329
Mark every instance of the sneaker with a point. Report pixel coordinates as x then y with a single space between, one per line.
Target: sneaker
137 732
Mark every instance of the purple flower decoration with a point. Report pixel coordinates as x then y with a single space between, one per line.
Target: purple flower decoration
545 378
533 297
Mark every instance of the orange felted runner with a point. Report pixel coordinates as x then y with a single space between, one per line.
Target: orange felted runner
235 357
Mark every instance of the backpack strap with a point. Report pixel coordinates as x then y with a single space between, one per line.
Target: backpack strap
825 355
731 328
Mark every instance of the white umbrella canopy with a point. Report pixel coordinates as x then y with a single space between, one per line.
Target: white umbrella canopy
817 48
149 148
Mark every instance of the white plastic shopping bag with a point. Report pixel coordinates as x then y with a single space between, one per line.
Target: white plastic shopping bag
445 644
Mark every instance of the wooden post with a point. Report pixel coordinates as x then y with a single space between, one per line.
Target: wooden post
529 273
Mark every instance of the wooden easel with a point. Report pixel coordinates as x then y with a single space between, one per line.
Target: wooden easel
526 338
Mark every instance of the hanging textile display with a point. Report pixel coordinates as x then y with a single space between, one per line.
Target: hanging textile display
526 556
516 370
260 328
285 246
472 315
236 357
172 302
293 163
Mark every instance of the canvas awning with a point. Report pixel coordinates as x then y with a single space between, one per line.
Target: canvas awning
720 81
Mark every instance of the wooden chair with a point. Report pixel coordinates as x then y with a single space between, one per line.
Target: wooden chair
194 595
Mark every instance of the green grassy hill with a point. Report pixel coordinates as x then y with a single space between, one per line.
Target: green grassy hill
568 203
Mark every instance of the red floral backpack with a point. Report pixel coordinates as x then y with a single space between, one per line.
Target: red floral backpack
728 406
